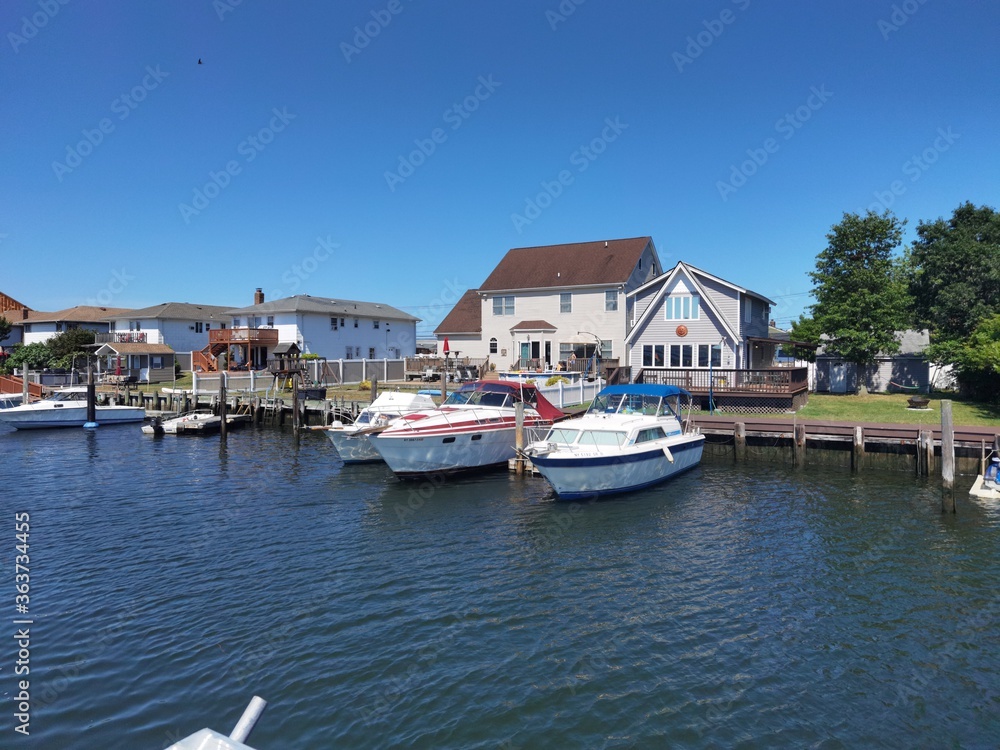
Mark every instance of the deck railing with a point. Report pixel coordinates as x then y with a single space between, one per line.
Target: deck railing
784 380
261 336
129 337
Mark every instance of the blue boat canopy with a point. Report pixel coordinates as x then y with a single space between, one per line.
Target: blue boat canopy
644 389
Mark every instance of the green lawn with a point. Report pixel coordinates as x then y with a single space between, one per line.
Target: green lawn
892 408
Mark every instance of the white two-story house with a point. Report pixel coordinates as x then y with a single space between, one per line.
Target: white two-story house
544 305
182 326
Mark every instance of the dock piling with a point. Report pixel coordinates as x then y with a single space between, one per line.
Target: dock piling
740 441
947 457
857 448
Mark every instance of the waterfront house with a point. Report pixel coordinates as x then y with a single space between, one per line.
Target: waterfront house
15 313
324 326
41 326
183 327
546 305
710 336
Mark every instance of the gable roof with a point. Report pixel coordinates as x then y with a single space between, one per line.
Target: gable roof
133 348
465 317
305 303
533 325
177 311
665 280
78 314
8 304
707 275
575 264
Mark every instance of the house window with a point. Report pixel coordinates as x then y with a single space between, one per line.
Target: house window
357 352
349 354
652 355
333 324
747 310
157 363
355 322
270 320
198 327
343 323
375 323
709 352
503 305
371 352
683 307
566 302
236 322
493 346
611 300
208 326
680 355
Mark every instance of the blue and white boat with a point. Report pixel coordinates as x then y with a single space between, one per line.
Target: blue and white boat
632 436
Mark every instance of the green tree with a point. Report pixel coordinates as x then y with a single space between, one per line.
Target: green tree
70 345
5 328
954 277
977 360
33 356
860 289
807 331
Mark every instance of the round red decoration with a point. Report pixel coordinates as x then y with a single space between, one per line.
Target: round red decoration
682 330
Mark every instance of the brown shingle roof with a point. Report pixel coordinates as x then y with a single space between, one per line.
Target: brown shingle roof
128 348
533 325
465 317
576 264
9 304
78 314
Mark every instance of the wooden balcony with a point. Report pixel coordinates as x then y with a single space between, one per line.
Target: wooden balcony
129 337
253 336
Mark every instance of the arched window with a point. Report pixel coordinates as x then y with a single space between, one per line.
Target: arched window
493 346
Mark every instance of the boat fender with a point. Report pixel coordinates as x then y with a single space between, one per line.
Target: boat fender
668 454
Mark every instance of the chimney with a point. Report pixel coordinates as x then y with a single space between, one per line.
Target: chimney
258 297
24 313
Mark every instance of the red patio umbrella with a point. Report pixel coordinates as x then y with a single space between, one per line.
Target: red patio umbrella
446 347
118 365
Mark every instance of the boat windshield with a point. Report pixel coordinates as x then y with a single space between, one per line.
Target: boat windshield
68 396
479 398
627 403
364 417
603 437
562 435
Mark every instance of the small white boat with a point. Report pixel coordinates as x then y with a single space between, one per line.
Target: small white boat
473 429
987 484
351 441
67 407
200 422
631 437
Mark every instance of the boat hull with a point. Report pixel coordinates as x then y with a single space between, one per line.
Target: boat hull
28 418
415 455
352 447
575 476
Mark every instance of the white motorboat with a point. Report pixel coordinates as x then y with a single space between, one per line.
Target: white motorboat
631 437
200 422
67 407
473 429
351 441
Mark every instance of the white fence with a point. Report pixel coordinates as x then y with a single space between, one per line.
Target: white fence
571 394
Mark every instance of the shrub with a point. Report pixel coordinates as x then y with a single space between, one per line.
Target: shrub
556 379
365 385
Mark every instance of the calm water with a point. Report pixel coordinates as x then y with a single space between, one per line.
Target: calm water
750 606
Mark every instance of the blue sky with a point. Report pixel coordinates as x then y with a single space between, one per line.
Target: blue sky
393 151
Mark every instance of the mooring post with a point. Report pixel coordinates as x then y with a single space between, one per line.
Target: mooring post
858 452
223 403
740 441
799 445
925 450
374 388
519 437
25 374
947 457
296 417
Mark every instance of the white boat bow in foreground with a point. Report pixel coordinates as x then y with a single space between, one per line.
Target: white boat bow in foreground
631 437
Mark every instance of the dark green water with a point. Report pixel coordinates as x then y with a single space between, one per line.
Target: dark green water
737 606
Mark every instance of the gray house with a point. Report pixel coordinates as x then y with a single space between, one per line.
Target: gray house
906 371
